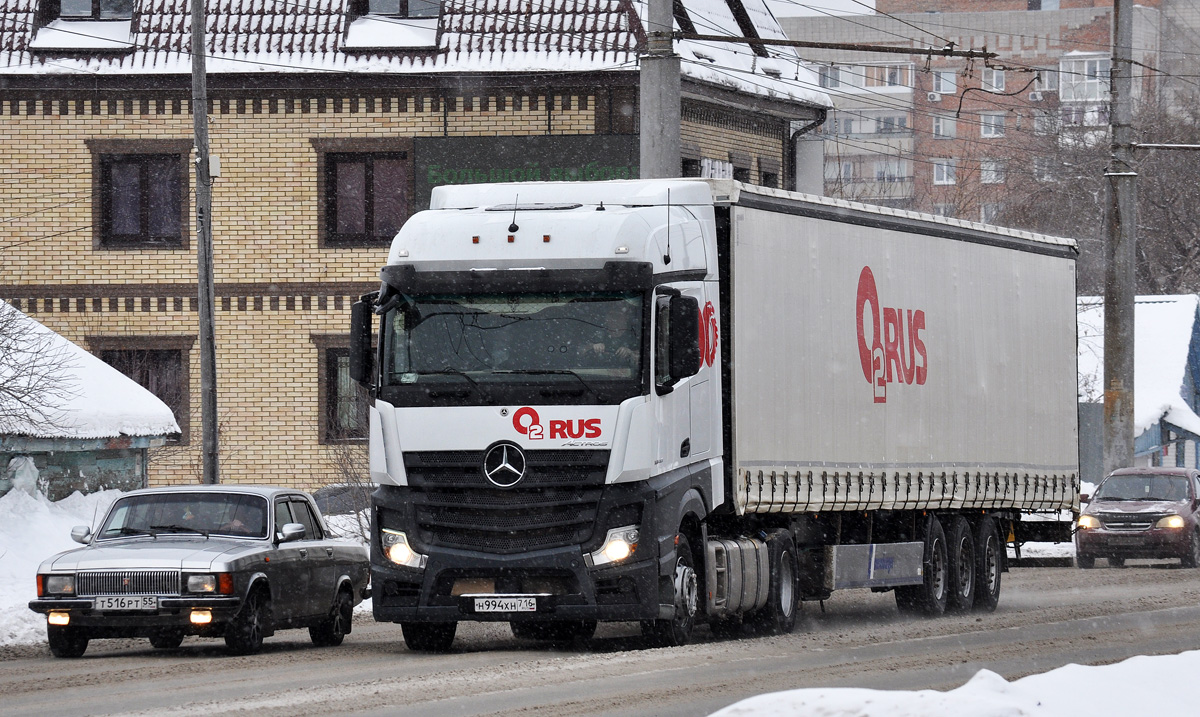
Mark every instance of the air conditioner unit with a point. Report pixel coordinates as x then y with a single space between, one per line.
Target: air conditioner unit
934 97
1035 96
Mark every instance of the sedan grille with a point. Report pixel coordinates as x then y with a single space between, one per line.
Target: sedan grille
128 582
555 503
1129 521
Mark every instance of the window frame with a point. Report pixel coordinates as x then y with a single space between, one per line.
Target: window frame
330 346
97 345
945 82
992 124
104 152
946 167
991 80
403 10
948 127
95 14
991 171
374 147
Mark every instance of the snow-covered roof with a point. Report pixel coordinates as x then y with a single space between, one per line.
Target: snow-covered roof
470 36
1162 338
94 400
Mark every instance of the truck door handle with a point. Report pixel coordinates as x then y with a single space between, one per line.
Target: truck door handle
685 448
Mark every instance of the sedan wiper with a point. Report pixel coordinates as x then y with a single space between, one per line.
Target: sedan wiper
126 530
177 529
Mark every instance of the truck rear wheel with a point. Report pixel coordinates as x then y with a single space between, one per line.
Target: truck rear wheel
428 636
989 565
555 630
778 616
678 630
929 598
961 554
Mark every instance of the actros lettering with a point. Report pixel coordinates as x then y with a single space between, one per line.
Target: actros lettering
885 355
527 422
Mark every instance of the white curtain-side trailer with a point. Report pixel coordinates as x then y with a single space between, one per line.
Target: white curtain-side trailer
675 401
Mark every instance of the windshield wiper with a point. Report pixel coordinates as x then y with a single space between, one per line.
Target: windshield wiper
553 372
177 529
126 530
448 371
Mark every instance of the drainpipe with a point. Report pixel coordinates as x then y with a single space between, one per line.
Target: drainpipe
793 146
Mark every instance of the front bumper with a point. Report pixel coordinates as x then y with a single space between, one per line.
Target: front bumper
1155 543
173 612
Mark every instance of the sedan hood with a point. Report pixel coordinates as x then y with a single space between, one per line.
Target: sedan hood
1156 507
164 553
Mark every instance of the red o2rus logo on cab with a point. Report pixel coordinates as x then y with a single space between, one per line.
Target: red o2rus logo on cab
527 422
885 355
708 334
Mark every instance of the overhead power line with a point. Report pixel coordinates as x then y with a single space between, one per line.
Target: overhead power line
947 51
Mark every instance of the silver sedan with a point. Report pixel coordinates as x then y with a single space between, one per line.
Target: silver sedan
236 562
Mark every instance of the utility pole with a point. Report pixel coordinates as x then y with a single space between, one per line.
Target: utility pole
204 250
1120 248
659 95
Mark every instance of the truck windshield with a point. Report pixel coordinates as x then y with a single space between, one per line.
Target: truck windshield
580 342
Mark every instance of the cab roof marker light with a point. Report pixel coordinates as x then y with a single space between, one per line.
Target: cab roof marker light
402 252
511 238
474 240
545 238
622 250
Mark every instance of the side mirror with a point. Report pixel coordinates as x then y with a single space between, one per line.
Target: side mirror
81 534
362 359
684 338
1084 498
290 532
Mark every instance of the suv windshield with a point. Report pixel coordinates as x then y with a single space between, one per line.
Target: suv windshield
1144 486
233 514
571 342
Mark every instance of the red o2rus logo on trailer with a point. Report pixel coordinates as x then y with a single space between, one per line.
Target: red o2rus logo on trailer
708 334
526 421
882 349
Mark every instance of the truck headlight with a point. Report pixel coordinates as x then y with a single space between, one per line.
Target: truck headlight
619 545
60 584
396 548
206 583
1087 522
1171 521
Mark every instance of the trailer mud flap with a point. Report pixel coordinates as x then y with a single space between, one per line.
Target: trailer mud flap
873 565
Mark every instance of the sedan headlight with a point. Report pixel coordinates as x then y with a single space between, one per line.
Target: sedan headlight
1087 522
1171 521
396 548
619 545
202 583
60 584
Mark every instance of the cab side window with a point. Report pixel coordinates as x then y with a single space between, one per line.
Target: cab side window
304 516
283 515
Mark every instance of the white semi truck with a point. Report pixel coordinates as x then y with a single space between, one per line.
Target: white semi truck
674 401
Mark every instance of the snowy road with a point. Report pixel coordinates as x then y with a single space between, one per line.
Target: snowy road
1047 618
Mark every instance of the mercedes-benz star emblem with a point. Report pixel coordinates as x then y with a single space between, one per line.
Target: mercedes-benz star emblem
504 465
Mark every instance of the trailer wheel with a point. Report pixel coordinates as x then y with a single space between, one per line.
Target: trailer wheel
428 636
678 630
988 565
928 598
961 554
778 616
560 631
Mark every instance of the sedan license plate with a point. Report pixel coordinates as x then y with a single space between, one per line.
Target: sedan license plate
111 603
506 603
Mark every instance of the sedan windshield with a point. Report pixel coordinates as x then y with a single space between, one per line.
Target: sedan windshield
233 514
1145 486
577 339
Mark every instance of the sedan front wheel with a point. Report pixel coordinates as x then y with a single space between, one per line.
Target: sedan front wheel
244 634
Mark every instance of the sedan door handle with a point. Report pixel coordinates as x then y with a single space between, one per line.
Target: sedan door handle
329 552
304 552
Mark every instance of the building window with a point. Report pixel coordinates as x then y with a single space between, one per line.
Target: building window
342 403
943 171
945 81
944 127
839 171
1180 454
991 124
139 193
404 8
991 171
889 170
1043 169
988 211
690 167
831 77
993 80
1046 80
1084 79
768 171
943 210
365 188
158 364
887 75
1043 122
891 124
96 9
1043 4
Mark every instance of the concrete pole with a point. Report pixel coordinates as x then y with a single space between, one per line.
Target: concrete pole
204 250
659 95
1120 247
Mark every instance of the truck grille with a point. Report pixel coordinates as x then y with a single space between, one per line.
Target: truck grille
1129 521
555 504
128 582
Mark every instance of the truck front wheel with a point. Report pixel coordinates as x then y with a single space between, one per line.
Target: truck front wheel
929 598
428 636
678 630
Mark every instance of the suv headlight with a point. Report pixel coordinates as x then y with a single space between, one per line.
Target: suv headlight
1171 521
1087 522
396 548
59 584
619 545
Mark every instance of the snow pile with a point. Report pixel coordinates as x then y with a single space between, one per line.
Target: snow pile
1158 683
32 529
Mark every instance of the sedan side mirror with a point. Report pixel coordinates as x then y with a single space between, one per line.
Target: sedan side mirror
81 534
290 532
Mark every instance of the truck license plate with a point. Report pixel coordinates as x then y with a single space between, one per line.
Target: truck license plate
126 602
505 604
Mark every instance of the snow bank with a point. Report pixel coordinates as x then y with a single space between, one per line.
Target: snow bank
32 529
1160 684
